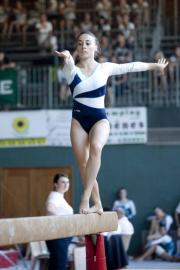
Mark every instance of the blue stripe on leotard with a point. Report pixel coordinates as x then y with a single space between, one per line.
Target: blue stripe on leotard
94 93
75 82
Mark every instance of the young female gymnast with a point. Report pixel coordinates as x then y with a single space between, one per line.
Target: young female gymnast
90 127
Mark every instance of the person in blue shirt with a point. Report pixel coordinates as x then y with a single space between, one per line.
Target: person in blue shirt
125 203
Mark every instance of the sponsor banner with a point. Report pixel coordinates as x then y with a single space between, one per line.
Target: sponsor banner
52 127
128 125
8 86
23 128
58 124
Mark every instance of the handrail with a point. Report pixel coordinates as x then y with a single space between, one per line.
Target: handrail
45 87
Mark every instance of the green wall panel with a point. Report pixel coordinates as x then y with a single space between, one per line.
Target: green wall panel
150 173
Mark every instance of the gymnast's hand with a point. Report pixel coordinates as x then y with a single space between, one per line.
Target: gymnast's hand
67 58
162 64
65 54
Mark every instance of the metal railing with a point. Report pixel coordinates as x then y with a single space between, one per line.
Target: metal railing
45 87
148 89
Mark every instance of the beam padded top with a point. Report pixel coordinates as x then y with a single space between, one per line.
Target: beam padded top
28 229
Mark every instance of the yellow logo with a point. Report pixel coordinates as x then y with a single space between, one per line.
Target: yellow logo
20 124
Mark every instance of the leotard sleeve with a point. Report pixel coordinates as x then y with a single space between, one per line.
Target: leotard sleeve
69 69
118 69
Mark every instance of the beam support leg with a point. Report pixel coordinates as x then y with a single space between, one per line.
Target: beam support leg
95 253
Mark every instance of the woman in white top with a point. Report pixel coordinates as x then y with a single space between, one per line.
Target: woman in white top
57 205
90 127
125 228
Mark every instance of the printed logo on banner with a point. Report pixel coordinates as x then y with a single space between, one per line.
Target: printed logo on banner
128 125
20 124
6 87
23 128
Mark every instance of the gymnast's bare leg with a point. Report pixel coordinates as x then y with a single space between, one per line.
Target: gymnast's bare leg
87 149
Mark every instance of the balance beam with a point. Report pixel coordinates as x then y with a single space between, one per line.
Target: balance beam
28 229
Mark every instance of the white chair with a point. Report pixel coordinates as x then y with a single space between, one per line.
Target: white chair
80 258
38 251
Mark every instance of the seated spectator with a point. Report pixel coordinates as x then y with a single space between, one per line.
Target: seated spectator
118 22
30 25
174 62
52 12
125 228
123 7
103 26
160 79
71 37
45 38
123 202
140 11
67 10
128 29
155 221
38 6
177 219
20 16
86 24
62 29
64 92
161 245
117 242
103 8
158 242
120 83
52 9
176 56
5 62
76 31
4 17
105 46
121 49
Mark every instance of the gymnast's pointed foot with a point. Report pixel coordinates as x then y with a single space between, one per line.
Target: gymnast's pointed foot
84 206
97 208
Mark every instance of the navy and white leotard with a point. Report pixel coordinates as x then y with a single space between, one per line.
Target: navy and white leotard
89 92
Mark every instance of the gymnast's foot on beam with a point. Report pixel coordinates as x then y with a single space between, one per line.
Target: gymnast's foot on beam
84 206
85 209
97 208
93 209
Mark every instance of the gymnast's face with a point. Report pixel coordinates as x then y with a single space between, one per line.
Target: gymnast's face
86 46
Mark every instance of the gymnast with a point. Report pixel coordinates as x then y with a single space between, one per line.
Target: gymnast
89 126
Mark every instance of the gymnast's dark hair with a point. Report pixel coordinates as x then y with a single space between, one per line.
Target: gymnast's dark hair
58 176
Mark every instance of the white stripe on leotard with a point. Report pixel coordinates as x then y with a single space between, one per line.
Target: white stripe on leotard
97 80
